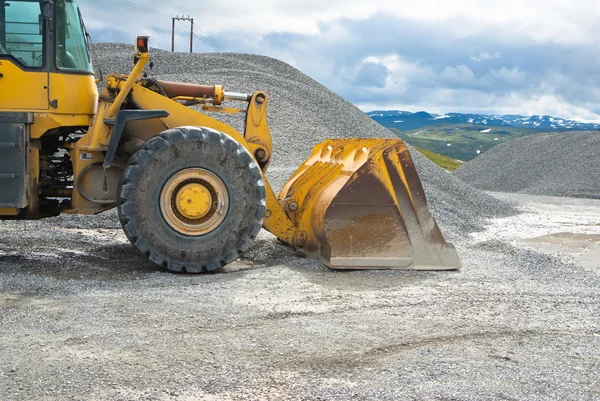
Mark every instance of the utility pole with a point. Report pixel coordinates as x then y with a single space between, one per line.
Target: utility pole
173 36
182 18
191 35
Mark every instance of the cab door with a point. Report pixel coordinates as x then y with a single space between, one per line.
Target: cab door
23 79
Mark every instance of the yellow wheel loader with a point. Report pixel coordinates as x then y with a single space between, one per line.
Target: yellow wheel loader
190 191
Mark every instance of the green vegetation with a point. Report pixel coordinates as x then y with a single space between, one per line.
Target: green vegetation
442 161
461 141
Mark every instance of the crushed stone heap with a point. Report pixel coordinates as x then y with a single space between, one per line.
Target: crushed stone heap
557 164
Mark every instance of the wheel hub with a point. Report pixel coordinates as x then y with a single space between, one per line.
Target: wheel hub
194 201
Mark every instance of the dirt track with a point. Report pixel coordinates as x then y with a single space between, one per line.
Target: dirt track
83 316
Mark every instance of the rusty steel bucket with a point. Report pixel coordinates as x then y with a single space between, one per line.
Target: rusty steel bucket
359 204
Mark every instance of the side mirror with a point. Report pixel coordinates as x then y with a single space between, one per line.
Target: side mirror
48 9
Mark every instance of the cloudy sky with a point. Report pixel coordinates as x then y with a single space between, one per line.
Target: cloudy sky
485 56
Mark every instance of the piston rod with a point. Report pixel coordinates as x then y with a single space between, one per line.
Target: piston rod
237 96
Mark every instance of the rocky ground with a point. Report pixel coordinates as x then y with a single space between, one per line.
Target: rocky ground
84 316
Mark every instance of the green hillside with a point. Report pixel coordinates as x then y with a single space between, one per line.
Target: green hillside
461 141
444 162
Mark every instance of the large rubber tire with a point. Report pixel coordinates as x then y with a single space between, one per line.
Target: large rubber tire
151 167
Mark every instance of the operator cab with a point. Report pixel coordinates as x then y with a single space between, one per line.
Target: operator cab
44 35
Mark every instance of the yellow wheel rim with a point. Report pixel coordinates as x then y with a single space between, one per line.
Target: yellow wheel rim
194 201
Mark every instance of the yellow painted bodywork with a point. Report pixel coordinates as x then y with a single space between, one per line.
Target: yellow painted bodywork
76 98
76 95
89 149
27 89
355 203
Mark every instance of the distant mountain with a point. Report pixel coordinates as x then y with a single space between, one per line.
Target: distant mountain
407 121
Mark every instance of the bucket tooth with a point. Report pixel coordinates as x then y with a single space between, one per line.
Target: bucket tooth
359 204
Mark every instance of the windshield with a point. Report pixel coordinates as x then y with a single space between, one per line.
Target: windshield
72 52
21 31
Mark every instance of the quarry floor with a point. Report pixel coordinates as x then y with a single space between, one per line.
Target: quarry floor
83 316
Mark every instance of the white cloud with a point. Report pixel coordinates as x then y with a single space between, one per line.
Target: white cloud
547 105
400 75
492 56
512 76
401 72
483 56
512 103
461 75
562 21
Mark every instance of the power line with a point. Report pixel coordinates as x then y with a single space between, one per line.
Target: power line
209 38
213 45
210 42
133 7
197 32
189 28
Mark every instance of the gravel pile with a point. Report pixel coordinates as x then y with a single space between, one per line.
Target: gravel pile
301 114
84 316
561 164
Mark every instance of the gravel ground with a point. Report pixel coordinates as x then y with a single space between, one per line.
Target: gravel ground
560 164
83 316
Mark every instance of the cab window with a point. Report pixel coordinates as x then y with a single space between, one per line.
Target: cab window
21 31
72 52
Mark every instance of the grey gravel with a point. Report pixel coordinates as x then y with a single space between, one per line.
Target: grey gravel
558 164
83 316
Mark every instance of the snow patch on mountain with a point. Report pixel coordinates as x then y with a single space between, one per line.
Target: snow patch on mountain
422 119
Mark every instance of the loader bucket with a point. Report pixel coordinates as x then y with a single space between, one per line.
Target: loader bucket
359 204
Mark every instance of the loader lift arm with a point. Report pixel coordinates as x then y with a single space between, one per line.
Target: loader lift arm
191 191
355 203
